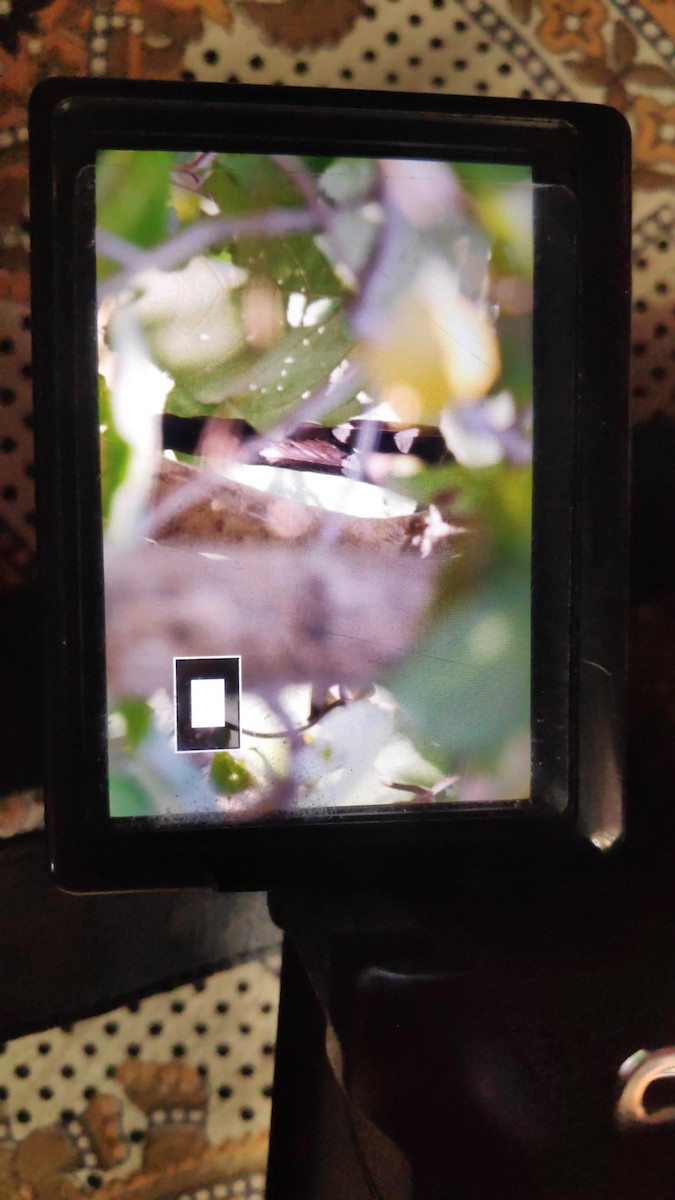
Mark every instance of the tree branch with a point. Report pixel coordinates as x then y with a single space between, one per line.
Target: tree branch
315 615
283 733
234 513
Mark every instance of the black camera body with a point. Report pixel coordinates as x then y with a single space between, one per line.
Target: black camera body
332 448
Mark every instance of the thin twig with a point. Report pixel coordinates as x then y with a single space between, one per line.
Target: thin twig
301 178
305 184
200 237
117 249
284 733
426 794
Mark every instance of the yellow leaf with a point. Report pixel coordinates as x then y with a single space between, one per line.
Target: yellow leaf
438 347
187 204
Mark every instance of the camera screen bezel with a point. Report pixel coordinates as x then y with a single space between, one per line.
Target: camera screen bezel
578 155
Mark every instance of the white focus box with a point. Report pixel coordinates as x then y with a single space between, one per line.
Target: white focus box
207 703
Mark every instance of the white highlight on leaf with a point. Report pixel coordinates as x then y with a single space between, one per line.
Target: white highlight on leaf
189 317
209 207
346 276
315 311
338 372
295 309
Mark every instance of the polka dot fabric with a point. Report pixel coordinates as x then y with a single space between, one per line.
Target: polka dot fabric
602 51
168 1096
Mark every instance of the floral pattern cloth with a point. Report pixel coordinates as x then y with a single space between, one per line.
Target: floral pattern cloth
167 1096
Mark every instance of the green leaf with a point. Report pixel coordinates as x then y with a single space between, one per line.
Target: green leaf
317 162
127 798
274 384
246 184
466 692
138 718
477 176
348 180
293 262
431 484
115 452
228 775
515 341
343 413
132 191
502 204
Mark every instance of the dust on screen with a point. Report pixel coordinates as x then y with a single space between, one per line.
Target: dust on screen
315 397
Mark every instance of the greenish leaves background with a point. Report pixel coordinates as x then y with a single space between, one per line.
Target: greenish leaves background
464 693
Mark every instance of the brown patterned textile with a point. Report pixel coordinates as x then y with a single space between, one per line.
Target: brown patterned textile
162 1098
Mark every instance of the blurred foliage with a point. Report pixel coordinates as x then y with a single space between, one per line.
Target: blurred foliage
245 184
137 717
228 775
132 193
128 798
502 196
515 340
434 312
466 689
501 497
266 388
115 452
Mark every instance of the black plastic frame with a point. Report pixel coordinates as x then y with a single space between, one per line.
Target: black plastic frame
580 156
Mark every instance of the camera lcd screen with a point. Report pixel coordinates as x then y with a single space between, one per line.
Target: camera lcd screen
316 413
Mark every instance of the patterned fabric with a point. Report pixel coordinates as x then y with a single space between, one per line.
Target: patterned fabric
163 1098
